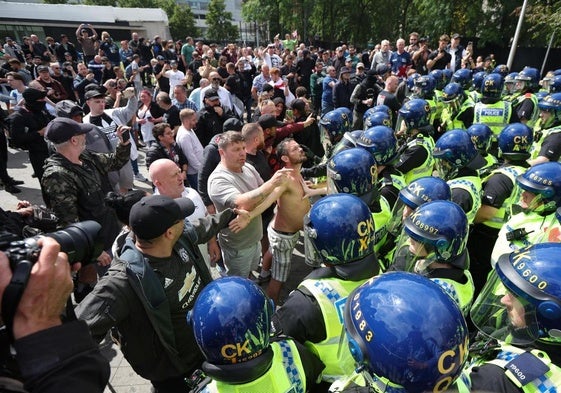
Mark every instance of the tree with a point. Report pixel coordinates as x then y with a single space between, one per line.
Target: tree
55 1
219 22
180 17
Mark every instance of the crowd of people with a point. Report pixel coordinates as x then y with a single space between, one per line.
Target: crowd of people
424 184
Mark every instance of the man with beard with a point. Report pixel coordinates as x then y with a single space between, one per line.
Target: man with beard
284 229
27 128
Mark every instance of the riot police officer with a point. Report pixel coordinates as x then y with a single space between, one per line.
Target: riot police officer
547 138
341 230
481 136
433 243
518 314
231 320
457 161
405 334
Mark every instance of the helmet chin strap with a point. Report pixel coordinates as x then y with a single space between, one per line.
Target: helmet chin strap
422 265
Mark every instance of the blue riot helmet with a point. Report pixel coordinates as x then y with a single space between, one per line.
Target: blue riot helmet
403 329
528 79
555 84
339 228
424 87
372 119
334 124
540 95
381 142
454 150
551 104
453 96
447 75
349 140
477 80
411 80
521 301
232 313
492 87
501 69
481 136
353 171
463 77
438 79
510 83
439 231
515 141
346 111
412 116
418 192
543 180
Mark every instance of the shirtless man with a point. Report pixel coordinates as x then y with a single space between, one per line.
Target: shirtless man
284 229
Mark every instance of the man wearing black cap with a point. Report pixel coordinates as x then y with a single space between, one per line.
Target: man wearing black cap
457 52
27 128
343 89
149 289
55 90
364 97
75 180
211 118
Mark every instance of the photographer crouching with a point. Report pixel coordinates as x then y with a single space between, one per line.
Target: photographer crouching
52 356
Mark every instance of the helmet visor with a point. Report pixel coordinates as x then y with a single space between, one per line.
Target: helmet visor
312 257
444 169
500 314
412 255
400 212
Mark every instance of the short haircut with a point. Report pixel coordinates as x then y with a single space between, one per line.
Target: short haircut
17 76
229 138
250 130
274 71
164 97
159 129
186 113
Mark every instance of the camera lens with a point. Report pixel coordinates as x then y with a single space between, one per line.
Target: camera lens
80 241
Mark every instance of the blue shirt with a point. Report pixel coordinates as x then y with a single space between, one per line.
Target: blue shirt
400 62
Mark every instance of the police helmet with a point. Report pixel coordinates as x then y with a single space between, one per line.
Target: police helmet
414 114
454 150
373 118
528 79
381 108
348 141
477 80
540 95
543 180
555 85
463 77
353 171
424 86
521 301
335 123
441 227
411 80
481 136
381 142
453 96
231 321
515 141
510 83
492 86
340 229
438 79
420 191
551 104
403 329
447 75
501 69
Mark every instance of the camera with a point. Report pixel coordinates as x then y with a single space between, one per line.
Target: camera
79 241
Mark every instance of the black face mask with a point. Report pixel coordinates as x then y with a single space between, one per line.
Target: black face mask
36 106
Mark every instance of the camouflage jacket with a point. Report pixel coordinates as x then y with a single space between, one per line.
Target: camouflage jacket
76 192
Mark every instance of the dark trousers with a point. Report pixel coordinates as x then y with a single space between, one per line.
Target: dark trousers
37 159
4 177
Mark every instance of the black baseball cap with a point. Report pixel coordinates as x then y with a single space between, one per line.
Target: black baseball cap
62 129
153 215
211 94
268 121
68 109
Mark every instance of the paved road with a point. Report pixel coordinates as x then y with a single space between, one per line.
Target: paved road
123 378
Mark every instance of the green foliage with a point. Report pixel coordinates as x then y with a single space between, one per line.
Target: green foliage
55 1
544 20
180 17
219 22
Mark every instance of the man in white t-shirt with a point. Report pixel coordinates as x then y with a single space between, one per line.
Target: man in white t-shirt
175 77
190 144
